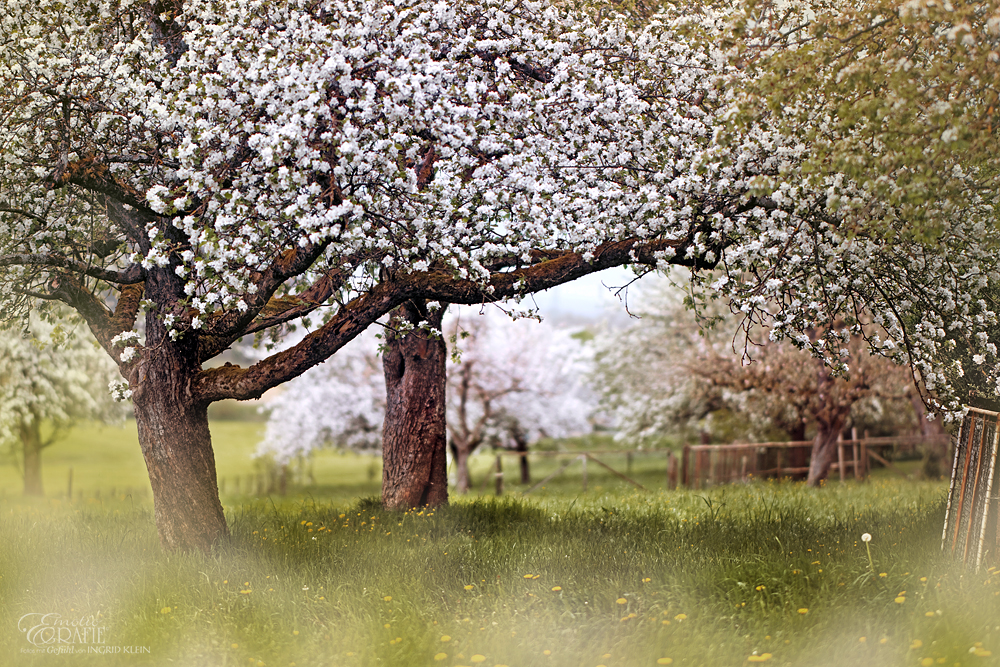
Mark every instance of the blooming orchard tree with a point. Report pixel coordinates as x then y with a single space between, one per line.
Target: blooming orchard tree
223 168
515 381
890 109
340 403
510 383
666 371
52 375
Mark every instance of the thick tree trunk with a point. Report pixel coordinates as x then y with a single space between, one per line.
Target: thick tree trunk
824 451
414 440
177 447
31 452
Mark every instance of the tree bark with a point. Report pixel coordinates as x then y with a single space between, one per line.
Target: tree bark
824 451
463 481
414 440
177 447
31 451
176 444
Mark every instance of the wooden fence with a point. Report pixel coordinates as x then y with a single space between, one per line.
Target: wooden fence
703 465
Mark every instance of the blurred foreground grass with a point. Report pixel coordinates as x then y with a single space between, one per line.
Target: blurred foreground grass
764 572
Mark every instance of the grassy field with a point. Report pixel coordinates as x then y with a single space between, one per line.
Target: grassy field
762 572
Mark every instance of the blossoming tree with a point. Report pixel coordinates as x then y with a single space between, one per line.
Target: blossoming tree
509 382
515 382
224 168
52 375
665 372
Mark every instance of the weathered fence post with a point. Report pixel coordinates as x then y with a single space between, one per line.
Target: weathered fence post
499 476
671 470
685 463
583 461
840 456
864 456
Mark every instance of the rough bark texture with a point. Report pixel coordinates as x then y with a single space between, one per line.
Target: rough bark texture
173 434
414 460
31 443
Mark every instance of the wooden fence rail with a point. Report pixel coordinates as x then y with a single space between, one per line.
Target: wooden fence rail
703 465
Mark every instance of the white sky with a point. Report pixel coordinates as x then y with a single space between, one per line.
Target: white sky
587 298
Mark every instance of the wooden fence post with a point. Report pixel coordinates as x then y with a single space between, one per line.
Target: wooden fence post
685 462
671 470
499 476
864 456
840 456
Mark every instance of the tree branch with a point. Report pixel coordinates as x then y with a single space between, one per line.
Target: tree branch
130 276
354 317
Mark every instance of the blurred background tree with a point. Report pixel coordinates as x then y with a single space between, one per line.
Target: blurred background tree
51 377
674 371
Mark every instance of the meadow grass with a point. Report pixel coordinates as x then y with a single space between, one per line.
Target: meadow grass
766 571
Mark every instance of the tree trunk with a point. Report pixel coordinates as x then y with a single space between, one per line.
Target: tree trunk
824 451
462 479
177 447
521 445
414 440
31 443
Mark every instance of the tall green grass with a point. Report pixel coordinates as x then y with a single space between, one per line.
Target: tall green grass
772 572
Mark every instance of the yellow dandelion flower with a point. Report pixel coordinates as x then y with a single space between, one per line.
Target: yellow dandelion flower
295 632
556 589
923 579
981 652
883 640
803 611
760 588
882 574
862 639
680 617
665 661
916 643
529 576
479 657
929 614
165 610
387 626
469 587
445 638
927 662
646 581
388 598
546 652
764 657
900 600
621 601
440 656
